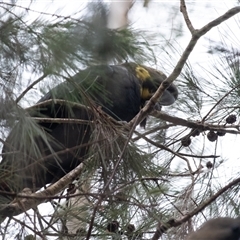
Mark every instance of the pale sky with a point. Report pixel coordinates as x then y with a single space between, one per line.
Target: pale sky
154 20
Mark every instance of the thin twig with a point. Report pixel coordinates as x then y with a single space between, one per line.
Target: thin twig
30 86
177 70
195 124
175 223
25 204
218 102
188 22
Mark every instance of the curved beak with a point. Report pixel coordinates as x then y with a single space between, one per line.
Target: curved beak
169 96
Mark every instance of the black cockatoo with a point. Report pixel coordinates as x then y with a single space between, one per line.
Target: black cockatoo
222 228
31 161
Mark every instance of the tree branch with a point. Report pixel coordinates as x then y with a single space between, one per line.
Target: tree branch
175 223
23 205
183 9
195 124
177 70
30 86
196 35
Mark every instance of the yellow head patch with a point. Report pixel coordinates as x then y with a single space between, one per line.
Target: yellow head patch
142 73
145 94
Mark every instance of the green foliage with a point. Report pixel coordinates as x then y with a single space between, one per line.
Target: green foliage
154 177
